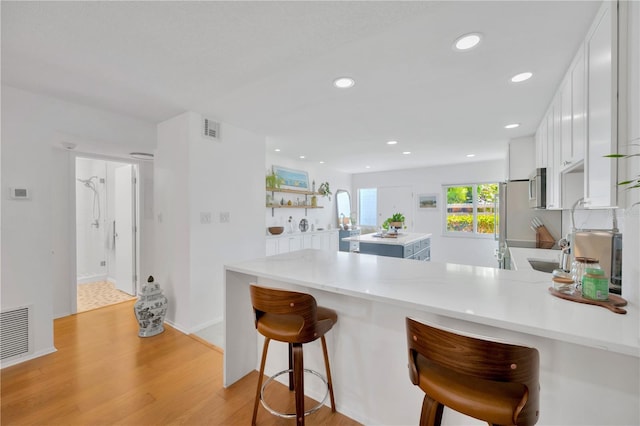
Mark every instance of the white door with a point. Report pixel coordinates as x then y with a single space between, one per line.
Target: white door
125 232
396 199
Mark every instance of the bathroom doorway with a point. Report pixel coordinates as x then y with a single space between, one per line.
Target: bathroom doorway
106 227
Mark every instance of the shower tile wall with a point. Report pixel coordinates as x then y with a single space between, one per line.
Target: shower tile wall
91 240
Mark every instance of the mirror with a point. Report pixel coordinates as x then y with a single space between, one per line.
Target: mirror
343 204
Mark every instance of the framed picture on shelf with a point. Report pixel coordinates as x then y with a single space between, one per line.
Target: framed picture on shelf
292 179
428 201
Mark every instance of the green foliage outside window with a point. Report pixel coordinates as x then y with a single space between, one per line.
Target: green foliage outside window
464 223
472 205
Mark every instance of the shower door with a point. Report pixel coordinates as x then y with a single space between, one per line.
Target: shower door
125 229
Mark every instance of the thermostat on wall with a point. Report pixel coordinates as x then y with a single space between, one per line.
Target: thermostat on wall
20 193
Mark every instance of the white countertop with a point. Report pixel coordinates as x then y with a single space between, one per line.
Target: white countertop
298 232
401 240
511 300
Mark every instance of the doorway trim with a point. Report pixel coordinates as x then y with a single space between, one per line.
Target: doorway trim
73 267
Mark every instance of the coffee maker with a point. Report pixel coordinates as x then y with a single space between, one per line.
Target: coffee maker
606 247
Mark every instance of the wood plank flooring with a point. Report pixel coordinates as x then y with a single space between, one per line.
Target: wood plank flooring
104 374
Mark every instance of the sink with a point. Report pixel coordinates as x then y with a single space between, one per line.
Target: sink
543 265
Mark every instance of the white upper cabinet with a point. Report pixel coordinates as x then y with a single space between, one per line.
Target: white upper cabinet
580 127
601 61
541 144
521 158
573 121
578 109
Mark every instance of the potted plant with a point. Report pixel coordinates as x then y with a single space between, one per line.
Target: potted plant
324 190
396 221
273 180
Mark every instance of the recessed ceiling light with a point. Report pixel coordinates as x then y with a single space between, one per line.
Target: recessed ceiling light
344 82
406 152
321 162
470 155
141 155
467 41
302 157
277 150
521 77
392 142
512 126
367 167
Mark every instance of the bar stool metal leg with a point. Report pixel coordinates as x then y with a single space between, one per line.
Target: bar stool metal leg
262 363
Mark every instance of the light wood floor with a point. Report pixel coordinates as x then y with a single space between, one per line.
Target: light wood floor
104 374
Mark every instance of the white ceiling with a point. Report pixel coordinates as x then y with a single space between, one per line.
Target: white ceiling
268 67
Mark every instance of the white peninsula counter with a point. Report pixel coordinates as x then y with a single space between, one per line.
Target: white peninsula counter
589 356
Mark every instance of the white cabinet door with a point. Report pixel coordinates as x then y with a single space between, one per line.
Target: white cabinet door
272 246
521 158
541 144
572 93
317 241
292 243
553 154
578 107
600 172
566 118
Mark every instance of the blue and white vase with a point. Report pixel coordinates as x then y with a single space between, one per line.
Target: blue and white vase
150 309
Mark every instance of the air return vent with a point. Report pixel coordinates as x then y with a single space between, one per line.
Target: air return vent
15 332
211 129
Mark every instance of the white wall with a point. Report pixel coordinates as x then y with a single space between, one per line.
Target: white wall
320 173
195 176
466 250
38 265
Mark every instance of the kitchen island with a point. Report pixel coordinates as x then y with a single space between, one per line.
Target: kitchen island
589 356
403 245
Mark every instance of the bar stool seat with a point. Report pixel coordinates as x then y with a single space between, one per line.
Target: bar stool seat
488 380
293 318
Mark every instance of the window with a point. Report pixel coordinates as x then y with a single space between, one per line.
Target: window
368 206
471 209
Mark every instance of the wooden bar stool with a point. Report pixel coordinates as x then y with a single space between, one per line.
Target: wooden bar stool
491 381
294 318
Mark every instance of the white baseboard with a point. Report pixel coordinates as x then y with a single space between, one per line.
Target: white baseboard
91 279
207 324
28 357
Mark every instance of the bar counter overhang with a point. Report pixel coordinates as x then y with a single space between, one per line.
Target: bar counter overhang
589 356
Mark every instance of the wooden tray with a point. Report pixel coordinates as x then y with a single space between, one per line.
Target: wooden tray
613 304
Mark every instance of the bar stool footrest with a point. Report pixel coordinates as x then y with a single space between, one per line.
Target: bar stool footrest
292 415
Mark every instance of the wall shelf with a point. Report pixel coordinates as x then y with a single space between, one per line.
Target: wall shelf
287 206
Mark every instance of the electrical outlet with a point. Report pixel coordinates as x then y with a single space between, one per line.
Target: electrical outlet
205 218
224 217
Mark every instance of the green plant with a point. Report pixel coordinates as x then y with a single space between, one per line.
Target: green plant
324 190
633 182
397 217
273 180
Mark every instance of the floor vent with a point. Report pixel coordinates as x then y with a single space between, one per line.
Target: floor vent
15 332
210 129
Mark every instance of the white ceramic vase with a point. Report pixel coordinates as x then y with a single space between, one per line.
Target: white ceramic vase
150 309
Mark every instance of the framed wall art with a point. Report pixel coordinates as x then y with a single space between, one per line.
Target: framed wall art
292 179
428 201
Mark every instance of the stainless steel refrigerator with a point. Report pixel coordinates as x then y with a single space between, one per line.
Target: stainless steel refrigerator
515 218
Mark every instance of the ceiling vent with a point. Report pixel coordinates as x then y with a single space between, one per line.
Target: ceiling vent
210 129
